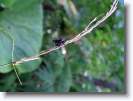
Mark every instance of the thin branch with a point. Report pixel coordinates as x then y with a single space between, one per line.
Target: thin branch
11 54
76 38
98 82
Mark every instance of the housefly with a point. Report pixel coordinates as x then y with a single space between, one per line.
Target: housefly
58 42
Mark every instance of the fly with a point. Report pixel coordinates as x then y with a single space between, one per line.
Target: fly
58 42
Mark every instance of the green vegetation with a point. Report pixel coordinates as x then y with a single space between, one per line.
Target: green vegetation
93 64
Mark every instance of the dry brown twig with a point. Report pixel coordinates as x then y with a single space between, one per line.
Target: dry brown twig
87 30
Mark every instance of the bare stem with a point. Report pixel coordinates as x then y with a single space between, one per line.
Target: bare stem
76 38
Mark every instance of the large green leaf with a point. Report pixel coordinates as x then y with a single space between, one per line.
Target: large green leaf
24 22
7 3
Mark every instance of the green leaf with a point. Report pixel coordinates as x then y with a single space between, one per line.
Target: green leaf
99 34
65 80
60 61
46 88
24 23
45 75
7 3
8 82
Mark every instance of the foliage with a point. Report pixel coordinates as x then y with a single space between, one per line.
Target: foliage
21 20
93 64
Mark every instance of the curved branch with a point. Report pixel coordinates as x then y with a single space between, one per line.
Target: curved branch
76 38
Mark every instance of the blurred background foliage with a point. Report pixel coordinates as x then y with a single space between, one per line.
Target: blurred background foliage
93 64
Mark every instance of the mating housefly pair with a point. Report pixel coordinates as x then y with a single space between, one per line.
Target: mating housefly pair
60 41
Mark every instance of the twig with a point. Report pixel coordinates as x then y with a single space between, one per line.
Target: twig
76 38
11 55
98 82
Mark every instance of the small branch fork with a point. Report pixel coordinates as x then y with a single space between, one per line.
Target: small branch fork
76 38
87 30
